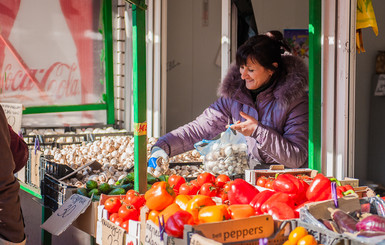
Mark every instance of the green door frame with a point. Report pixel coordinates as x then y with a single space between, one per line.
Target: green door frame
315 88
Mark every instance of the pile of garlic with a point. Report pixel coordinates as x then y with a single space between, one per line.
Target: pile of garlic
229 159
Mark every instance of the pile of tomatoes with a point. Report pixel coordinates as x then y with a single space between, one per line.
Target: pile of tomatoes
125 208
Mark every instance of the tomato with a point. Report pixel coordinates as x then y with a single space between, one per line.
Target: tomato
307 240
128 212
227 186
118 221
113 217
208 189
175 181
135 199
269 184
112 204
188 189
195 182
205 178
296 234
261 181
223 195
124 225
221 180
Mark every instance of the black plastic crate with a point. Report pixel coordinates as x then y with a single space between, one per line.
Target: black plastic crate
55 192
33 170
323 235
57 170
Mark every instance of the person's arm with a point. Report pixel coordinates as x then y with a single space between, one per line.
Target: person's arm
291 147
11 221
209 124
19 150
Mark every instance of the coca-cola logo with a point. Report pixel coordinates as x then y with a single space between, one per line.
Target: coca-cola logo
59 80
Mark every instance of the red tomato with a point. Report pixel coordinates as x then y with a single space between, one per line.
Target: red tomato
113 217
205 178
130 193
221 180
112 205
188 189
128 212
118 221
195 182
223 195
135 199
125 225
208 189
269 184
227 186
261 181
175 181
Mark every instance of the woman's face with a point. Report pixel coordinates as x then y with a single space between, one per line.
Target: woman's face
254 74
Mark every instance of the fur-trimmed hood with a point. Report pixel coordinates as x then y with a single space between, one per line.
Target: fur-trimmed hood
286 89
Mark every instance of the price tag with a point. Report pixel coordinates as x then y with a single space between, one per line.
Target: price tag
152 234
140 129
111 233
66 214
13 113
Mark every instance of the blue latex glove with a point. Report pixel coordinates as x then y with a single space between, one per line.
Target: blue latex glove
157 154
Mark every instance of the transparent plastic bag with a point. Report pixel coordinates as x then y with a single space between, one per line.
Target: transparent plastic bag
225 155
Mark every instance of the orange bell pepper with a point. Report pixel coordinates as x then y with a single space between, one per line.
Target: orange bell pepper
213 213
159 196
153 216
239 211
197 203
182 201
170 210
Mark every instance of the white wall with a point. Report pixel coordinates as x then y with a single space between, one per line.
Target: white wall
192 77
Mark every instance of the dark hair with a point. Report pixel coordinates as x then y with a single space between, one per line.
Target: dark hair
263 49
278 36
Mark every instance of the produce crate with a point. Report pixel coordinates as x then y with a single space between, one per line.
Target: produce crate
55 169
252 175
324 235
34 169
55 192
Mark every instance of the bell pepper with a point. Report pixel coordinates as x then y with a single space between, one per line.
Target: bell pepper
241 192
239 211
170 210
175 223
197 203
214 213
260 199
159 196
281 210
277 197
182 201
319 189
289 184
153 216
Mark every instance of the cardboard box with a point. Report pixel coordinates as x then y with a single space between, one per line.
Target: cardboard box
364 191
350 181
87 220
252 175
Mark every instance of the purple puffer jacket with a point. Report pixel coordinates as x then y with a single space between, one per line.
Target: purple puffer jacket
282 111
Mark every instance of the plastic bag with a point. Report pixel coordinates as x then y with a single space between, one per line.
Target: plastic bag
225 155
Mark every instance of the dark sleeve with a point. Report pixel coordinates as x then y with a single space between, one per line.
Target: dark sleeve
11 225
19 150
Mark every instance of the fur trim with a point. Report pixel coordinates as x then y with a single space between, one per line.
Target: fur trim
290 87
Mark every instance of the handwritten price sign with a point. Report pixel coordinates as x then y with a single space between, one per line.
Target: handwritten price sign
66 214
111 233
13 113
140 128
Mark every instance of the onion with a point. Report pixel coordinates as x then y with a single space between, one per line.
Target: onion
372 223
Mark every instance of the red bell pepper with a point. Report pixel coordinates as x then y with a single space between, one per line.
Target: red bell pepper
260 199
175 223
281 210
241 192
277 197
319 189
289 184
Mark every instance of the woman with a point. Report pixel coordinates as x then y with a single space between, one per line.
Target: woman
264 96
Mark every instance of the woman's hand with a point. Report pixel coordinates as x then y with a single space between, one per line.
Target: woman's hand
247 127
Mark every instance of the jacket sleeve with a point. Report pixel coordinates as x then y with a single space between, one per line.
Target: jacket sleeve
11 225
209 124
19 150
291 147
